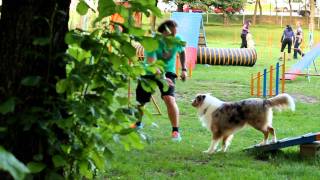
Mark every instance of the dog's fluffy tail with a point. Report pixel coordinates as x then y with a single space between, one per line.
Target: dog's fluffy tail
282 101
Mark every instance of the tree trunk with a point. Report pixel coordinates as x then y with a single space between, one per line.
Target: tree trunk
290 9
276 1
180 7
255 13
20 24
260 7
225 19
153 19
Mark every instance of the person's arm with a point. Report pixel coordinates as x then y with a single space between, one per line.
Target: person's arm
150 59
293 37
182 56
282 37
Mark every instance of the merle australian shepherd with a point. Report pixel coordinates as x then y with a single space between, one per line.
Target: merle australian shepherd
223 119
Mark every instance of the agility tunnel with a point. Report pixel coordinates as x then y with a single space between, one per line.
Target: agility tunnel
227 56
219 56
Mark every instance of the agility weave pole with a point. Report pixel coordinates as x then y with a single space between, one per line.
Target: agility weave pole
263 76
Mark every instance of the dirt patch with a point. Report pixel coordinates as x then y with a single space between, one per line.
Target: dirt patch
305 99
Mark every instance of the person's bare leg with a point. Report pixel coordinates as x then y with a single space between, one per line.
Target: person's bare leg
139 116
172 109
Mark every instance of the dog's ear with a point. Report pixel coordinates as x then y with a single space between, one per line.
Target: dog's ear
203 97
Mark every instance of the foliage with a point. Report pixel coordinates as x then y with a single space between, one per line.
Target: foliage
100 65
225 6
184 1
9 163
91 114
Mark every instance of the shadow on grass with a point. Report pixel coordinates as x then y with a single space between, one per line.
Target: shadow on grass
288 156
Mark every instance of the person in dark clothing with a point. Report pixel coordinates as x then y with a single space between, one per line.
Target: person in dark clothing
287 39
245 31
297 42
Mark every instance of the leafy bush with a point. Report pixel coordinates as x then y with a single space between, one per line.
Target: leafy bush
91 113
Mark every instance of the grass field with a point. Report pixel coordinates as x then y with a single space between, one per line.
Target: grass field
163 159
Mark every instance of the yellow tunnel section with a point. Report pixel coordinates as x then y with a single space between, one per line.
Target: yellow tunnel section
227 56
219 56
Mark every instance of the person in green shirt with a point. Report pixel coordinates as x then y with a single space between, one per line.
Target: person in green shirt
167 54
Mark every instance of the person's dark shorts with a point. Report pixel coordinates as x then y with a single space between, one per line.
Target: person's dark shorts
143 96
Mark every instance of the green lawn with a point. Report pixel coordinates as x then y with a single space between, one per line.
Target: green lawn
163 159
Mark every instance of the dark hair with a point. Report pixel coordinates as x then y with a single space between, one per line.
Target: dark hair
166 24
289 27
247 21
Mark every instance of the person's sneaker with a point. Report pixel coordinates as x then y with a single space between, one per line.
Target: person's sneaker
135 126
176 136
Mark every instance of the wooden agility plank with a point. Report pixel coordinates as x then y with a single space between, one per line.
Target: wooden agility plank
286 142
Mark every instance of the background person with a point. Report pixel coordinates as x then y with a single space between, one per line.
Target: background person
287 39
298 40
244 32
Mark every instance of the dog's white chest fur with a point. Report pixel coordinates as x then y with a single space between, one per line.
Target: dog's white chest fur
206 110
206 121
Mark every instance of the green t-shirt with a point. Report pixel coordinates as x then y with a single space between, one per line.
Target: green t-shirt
166 54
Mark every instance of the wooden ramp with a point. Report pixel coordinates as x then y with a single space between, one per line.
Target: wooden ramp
286 142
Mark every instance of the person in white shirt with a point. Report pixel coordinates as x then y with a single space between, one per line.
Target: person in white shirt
299 37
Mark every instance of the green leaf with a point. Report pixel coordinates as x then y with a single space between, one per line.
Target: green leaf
41 41
150 44
84 169
3 129
66 148
7 106
106 8
78 53
115 61
136 31
31 81
122 100
82 8
128 49
61 86
155 10
58 161
148 85
98 160
107 153
54 176
36 167
12 165
73 37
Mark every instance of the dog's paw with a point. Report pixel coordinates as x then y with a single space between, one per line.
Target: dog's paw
208 151
262 143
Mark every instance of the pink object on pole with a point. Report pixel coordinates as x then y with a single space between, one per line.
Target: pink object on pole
191 56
